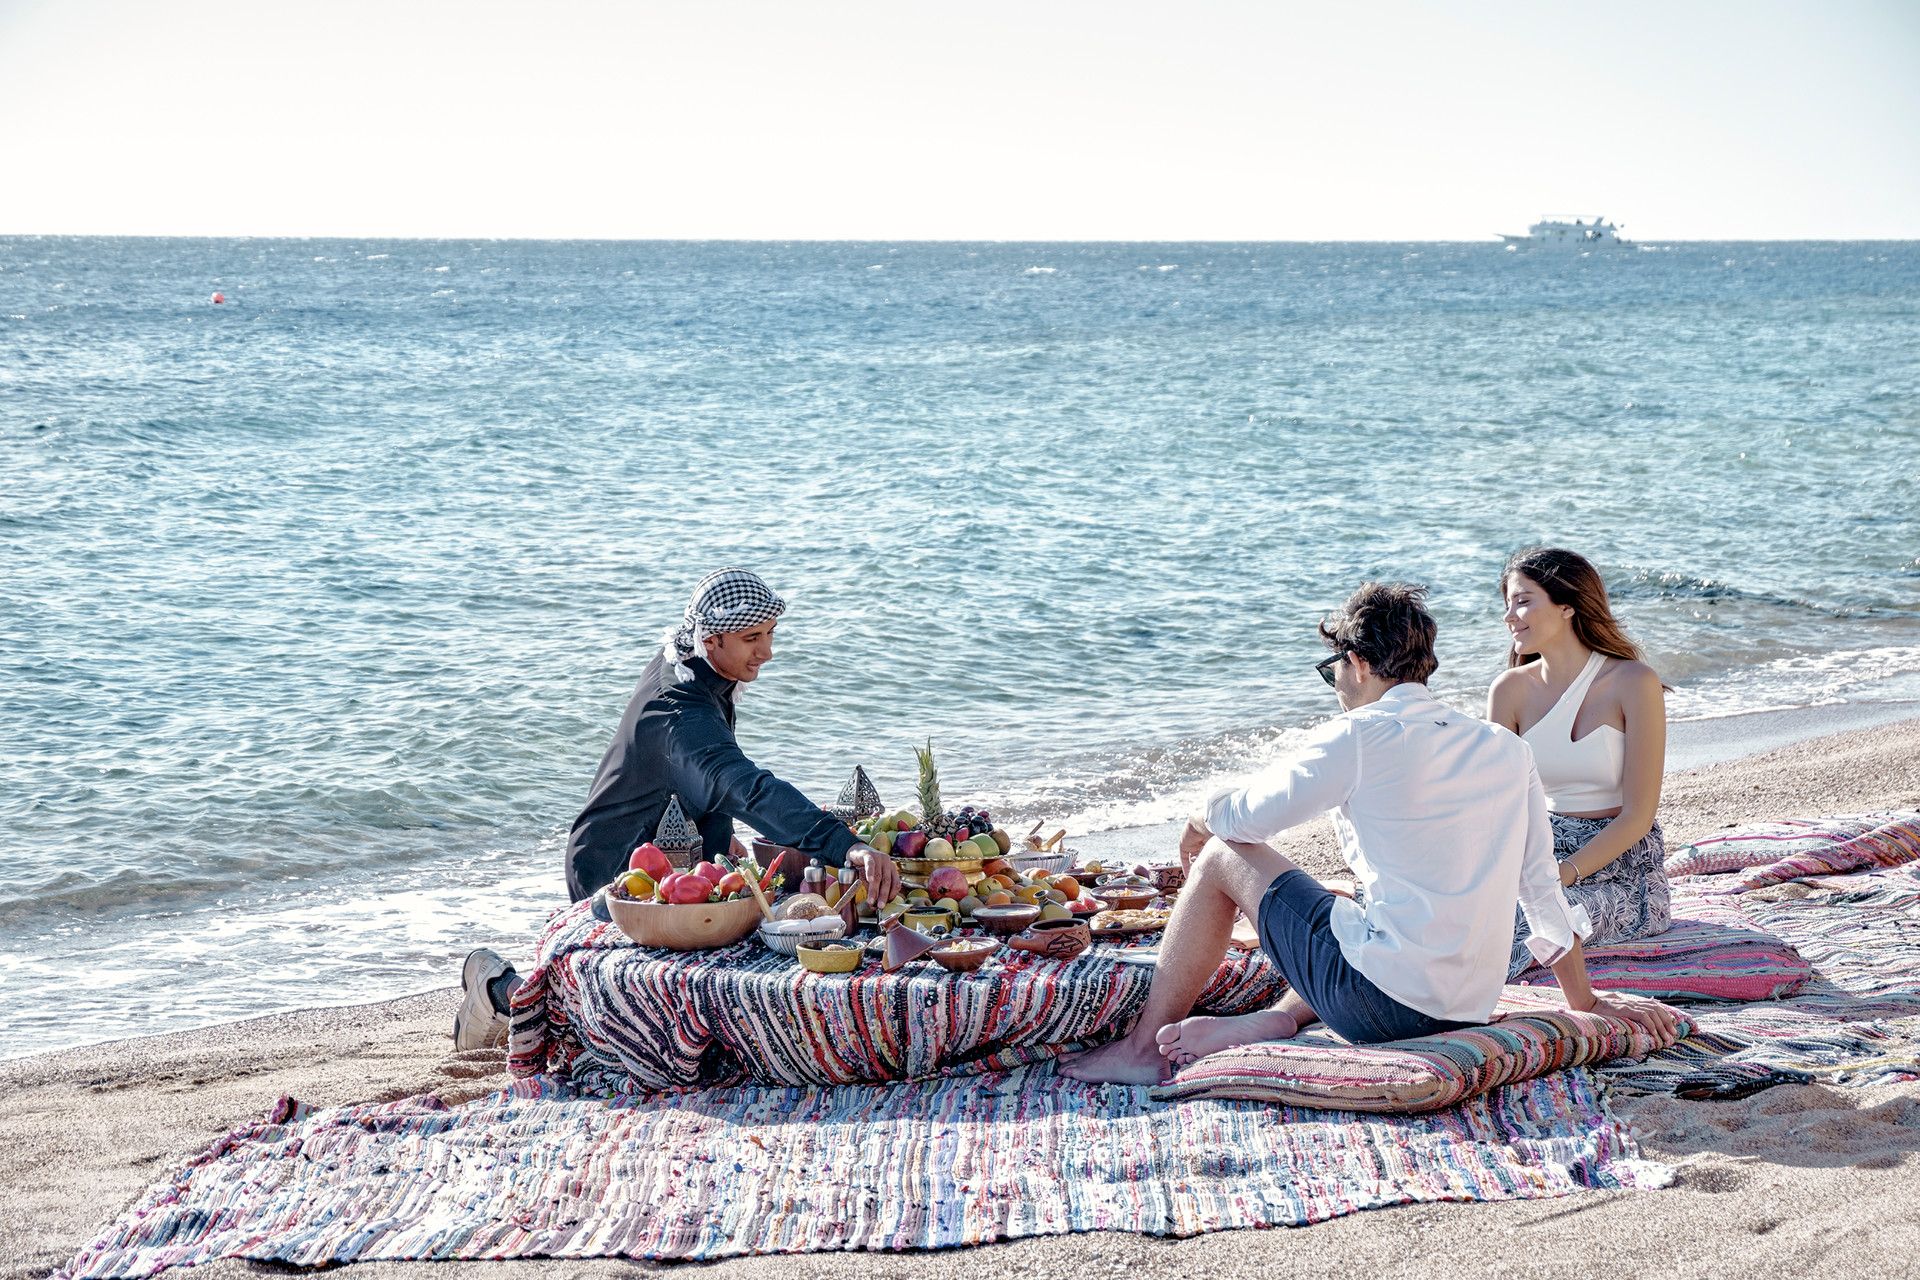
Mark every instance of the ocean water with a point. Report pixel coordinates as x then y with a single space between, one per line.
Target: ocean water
317 607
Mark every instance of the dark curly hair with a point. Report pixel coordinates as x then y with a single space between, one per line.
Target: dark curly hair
1386 623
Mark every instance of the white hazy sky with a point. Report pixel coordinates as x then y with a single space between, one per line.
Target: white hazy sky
1208 119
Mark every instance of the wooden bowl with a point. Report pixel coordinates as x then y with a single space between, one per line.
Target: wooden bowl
1009 919
831 959
964 955
693 926
1127 899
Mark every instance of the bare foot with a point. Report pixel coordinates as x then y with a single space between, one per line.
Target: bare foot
1122 1062
1191 1039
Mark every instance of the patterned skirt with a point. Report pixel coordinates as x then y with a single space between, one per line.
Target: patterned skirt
1625 899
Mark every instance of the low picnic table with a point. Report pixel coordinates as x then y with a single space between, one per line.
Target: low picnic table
611 1017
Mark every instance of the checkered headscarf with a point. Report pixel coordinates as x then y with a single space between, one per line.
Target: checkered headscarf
725 600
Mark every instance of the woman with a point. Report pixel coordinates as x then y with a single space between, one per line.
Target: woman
1576 691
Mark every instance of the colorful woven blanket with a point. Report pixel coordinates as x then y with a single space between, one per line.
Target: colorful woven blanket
614 1018
537 1170
1787 849
1856 1021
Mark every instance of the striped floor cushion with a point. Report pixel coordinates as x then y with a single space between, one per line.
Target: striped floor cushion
1712 952
1790 848
1531 1035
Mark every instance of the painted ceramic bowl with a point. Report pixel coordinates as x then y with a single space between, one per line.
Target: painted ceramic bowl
1057 939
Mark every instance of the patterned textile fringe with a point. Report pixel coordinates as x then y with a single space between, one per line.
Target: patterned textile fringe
1856 1022
538 1171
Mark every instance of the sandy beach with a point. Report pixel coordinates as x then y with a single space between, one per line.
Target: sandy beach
1794 1181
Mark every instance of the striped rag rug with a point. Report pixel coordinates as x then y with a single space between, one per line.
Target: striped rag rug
538 1170
611 1017
1855 1022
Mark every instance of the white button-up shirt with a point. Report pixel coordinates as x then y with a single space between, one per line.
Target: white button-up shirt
1443 820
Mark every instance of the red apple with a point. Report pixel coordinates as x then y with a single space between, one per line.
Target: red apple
649 859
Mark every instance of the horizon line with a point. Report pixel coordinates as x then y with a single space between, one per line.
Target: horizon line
1493 238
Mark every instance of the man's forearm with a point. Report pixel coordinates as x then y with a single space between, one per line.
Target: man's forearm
1570 971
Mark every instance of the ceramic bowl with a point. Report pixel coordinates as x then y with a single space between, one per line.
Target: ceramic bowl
691 926
1006 920
829 959
821 928
964 955
925 920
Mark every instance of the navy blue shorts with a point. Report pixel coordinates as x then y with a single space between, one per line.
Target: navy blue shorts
1296 932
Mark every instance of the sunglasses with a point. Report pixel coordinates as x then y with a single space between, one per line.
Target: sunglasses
1326 667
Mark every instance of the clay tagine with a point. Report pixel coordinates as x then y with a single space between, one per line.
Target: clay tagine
905 945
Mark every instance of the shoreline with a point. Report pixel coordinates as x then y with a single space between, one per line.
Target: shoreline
1693 744
1766 1183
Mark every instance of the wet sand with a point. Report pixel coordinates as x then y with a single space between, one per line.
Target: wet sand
1795 1181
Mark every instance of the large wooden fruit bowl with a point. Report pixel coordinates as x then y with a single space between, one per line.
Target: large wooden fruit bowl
694 926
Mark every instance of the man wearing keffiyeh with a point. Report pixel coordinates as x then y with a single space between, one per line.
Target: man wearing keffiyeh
677 740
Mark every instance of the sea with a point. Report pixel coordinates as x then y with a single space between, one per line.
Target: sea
319 604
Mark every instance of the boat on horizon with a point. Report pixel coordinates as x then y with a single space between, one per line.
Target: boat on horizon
1568 232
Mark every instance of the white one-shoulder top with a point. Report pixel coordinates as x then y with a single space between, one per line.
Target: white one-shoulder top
1583 776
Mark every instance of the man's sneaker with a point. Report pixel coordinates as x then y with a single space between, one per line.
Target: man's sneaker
479 1025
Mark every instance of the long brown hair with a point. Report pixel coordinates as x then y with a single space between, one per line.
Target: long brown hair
1570 579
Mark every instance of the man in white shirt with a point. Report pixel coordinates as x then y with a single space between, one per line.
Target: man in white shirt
1444 823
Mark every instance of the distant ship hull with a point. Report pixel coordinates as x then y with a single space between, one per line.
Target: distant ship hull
1568 235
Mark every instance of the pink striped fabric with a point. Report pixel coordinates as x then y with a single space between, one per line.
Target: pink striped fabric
1791 848
1532 1034
1714 951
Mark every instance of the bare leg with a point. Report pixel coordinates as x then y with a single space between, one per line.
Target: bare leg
1226 880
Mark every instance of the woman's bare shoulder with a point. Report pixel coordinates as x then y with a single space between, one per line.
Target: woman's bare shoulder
1508 688
1632 676
1514 679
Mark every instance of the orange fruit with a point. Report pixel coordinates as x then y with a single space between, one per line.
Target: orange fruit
999 898
1069 886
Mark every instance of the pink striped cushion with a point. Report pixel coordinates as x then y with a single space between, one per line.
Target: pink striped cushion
1790 848
1712 952
1531 1035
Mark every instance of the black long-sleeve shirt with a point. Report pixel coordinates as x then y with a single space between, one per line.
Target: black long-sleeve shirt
676 738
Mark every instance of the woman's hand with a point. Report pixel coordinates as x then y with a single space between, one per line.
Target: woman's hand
877 869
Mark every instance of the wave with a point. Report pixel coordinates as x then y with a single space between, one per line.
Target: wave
1648 584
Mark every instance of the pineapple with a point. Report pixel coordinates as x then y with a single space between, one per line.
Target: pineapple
934 820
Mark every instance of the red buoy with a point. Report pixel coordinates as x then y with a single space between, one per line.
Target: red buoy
219 297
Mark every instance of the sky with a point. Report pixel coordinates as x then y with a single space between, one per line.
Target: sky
904 119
